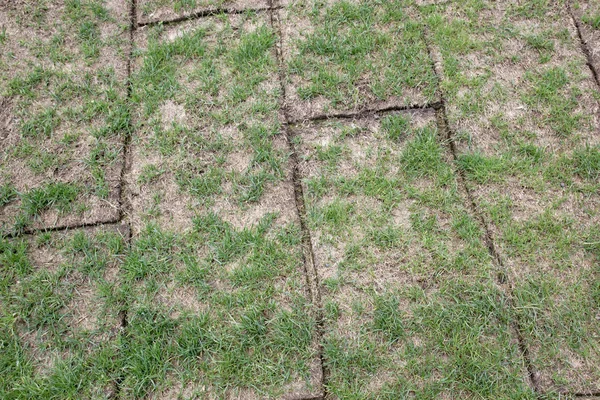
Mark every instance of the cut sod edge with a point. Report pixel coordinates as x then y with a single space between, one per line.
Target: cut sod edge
366 112
584 46
310 269
206 13
124 202
125 206
58 228
592 393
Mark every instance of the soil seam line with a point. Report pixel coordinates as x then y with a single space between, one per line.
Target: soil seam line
502 275
584 46
367 112
35 231
310 269
592 393
125 203
317 397
206 13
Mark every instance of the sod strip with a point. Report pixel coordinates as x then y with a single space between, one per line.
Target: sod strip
409 300
59 325
63 113
220 312
207 129
346 56
218 304
521 102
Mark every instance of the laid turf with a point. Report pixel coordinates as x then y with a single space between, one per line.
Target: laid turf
218 303
59 314
208 135
63 112
522 103
228 318
149 11
341 199
409 299
353 55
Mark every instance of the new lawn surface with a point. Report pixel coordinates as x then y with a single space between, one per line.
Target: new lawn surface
63 111
265 203
408 288
523 105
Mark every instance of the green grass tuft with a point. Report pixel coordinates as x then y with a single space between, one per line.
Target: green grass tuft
57 195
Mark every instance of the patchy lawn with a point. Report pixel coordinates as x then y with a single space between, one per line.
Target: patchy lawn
352 55
408 288
523 104
65 112
60 322
341 199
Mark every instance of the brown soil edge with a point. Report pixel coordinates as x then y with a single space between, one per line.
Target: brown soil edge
588 56
309 397
310 269
582 394
583 43
366 112
125 207
206 13
124 203
58 228
501 274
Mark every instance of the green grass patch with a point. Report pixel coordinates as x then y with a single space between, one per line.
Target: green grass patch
348 56
54 195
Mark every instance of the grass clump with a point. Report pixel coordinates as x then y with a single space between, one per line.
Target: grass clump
550 89
592 20
53 195
422 155
7 194
587 162
483 169
396 127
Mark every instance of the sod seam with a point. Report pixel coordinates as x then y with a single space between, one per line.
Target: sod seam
310 270
207 13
